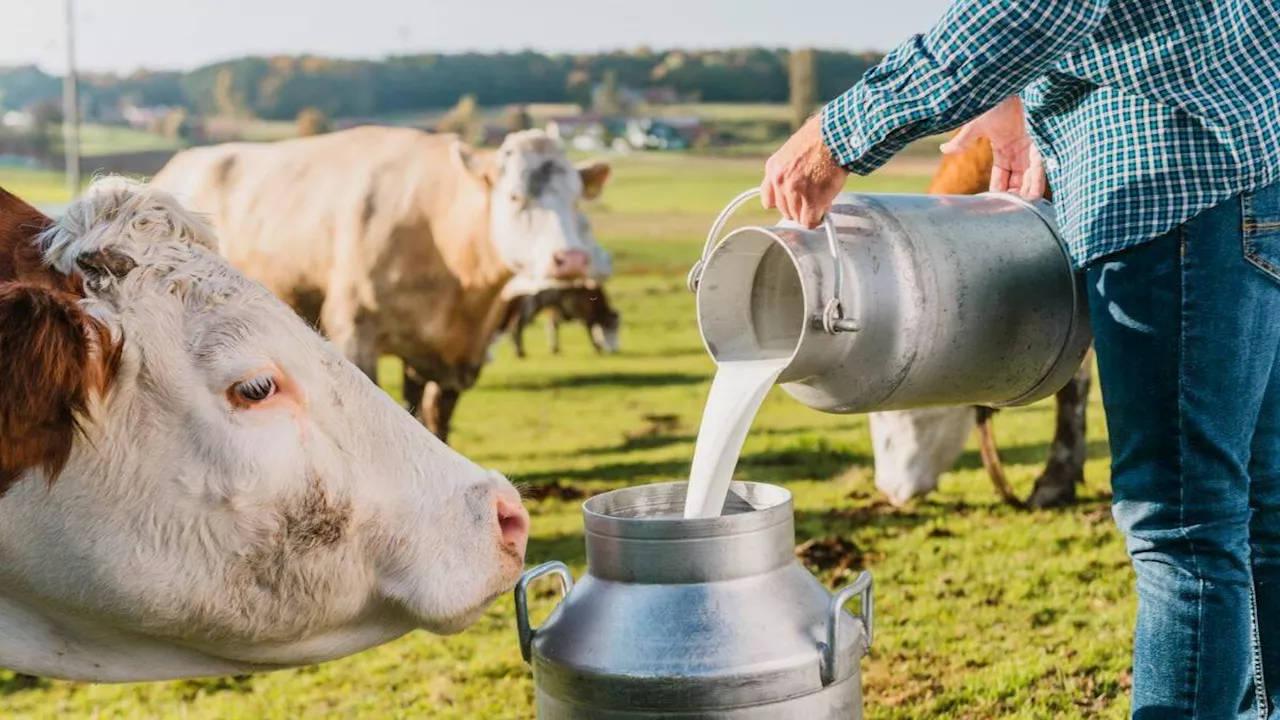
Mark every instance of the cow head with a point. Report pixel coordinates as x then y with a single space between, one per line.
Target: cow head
194 482
914 447
604 322
533 210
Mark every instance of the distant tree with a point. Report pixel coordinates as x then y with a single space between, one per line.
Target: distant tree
226 99
176 125
46 131
47 112
608 101
312 122
279 87
465 119
578 88
518 118
804 86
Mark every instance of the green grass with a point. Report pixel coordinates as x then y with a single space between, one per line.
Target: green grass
35 186
982 611
108 139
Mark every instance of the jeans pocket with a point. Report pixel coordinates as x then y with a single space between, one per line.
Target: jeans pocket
1260 215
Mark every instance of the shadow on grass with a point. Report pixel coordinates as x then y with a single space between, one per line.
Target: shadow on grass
817 461
1033 454
606 380
648 439
13 683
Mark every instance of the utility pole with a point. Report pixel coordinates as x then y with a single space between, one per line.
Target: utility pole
71 107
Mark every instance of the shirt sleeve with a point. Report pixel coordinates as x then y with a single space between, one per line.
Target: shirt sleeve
979 53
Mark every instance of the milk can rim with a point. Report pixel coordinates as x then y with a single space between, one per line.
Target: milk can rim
778 510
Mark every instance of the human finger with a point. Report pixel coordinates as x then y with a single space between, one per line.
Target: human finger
766 194
1034 184
999 179
961 141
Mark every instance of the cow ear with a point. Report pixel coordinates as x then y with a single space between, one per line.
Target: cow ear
105 264
53 358
478 164
594 176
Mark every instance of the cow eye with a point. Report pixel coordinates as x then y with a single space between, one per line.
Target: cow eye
254 390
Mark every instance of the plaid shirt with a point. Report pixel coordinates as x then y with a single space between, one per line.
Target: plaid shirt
1147 112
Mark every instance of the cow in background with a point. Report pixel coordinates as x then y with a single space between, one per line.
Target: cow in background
914 447
396 241
584 302
588 305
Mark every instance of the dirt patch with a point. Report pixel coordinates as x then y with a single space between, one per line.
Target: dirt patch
878 507
552 491
656 426
839 556
658 430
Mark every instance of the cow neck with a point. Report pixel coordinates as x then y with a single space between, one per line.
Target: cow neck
470 253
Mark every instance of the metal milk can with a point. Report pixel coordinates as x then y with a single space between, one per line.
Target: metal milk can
706 618
900 302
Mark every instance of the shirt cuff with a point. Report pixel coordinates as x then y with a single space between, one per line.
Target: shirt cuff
843 120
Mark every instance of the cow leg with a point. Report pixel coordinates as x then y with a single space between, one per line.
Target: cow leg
517 335
415 384
1067 455
353 334
437 411
553 333
596 334
528 307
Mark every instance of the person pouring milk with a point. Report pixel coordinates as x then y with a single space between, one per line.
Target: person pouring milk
1158 125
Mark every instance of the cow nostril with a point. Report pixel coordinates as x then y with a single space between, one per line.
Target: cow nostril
513 523
571 261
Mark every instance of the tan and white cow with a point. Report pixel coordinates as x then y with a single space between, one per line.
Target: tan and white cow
397 241
914 447
193 482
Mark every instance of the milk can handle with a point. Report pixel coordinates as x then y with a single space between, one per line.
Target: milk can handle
526 632
833 320
830 652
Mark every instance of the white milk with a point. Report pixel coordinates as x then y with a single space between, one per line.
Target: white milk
736 394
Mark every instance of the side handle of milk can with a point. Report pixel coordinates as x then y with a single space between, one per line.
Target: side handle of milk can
523 626
832 320
860 587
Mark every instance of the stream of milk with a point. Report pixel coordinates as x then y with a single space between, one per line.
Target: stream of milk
736 394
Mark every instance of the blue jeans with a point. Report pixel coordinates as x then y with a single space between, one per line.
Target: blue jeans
1188 341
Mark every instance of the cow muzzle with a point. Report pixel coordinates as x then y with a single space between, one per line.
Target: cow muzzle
570 264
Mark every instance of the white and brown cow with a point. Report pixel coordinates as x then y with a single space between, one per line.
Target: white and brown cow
587 304
397 241
193 482
583 301
914 447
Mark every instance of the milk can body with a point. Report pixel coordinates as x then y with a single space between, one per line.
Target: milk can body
902 302
709 618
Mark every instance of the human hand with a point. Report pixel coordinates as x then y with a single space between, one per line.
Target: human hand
802 178
1017 166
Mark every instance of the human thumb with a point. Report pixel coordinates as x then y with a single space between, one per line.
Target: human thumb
961 141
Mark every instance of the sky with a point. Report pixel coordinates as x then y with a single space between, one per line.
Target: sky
122 35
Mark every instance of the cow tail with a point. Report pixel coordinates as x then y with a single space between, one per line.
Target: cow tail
991 458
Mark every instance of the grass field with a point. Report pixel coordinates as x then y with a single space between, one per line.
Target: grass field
106 139
982 611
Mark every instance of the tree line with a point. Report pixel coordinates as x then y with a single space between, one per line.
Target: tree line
280 87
